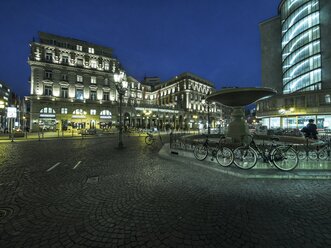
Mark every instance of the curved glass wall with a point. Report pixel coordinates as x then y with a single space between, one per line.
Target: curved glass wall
301 45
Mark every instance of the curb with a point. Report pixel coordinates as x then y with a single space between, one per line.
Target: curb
266 173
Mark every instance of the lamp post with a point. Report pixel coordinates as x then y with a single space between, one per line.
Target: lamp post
121 87
204 102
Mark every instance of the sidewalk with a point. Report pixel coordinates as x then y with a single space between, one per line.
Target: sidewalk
4 138
305 170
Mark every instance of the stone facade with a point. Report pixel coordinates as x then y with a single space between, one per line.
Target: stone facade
72 86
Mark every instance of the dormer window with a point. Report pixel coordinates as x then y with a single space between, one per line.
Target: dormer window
79 48
106 66
49 56
91 50
65 59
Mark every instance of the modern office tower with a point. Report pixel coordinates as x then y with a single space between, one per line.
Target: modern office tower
296 61
72 87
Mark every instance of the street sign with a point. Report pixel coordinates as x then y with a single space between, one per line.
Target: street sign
11 112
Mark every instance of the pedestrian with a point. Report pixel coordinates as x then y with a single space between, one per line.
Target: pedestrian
310 131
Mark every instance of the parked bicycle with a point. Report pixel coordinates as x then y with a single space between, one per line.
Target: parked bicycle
223 154
314 151
150 138
283 157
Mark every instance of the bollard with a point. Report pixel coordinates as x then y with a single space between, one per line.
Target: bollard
58 133
72 132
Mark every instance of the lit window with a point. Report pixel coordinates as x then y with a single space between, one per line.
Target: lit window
79 94
48 90
79 78
79 112
93 80
93 112
105 114
47 111
64 111
93 64
79 48
106 66
91 50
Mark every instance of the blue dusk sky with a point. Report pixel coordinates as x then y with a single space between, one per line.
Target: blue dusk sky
218 40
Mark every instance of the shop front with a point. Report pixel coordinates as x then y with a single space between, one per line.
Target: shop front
47 120
105 119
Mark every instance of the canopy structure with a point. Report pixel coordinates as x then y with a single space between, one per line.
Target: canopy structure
239 97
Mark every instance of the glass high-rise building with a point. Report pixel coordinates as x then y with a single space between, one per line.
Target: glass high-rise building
296 61
301 45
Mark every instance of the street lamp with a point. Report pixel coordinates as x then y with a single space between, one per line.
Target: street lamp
121 87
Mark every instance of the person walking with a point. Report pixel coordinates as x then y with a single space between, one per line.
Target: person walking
310 131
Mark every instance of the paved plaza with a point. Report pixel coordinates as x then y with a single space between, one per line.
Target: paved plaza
86 193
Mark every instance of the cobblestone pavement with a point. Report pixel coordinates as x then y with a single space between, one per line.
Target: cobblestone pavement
85 193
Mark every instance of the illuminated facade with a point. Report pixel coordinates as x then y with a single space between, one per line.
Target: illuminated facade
72 87
5 101
296 62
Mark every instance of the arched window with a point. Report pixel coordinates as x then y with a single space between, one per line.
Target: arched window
78 112
47 111
105 114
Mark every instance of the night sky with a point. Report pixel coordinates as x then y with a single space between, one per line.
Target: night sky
218 40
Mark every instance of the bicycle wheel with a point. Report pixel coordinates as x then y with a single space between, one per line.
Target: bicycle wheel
284 158
149 140
244 157
200 152
224 156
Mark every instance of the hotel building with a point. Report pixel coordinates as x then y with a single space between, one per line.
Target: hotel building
72 87
296 61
